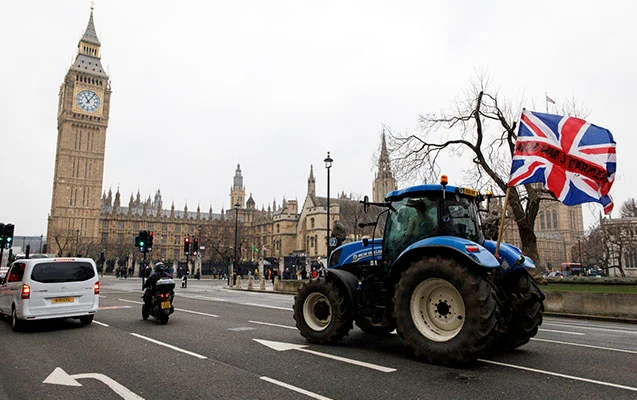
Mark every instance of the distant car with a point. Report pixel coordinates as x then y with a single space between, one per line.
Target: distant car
556 274
45 288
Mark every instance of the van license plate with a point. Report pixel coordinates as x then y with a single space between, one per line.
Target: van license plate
165 304
63 300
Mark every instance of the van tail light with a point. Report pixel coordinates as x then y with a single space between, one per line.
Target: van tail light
26 291
96 287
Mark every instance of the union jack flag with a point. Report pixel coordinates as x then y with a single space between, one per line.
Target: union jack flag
574 159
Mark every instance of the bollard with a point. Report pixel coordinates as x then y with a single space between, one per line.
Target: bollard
262 284
250 283
276 283
238 282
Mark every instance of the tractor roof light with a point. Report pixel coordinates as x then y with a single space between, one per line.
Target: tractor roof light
444 180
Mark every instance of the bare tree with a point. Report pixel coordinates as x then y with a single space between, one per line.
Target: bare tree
482 127
628 209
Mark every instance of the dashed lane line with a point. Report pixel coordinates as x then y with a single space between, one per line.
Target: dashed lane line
585 345
295 388
190 353
575 378
100 323
267 306
564 332
275 325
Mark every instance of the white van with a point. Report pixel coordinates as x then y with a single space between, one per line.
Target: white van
46 288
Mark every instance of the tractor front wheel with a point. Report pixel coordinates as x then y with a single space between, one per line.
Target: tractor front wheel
322 312
444 312
527 303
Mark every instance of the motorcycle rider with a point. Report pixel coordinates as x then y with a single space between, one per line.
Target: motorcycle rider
150 285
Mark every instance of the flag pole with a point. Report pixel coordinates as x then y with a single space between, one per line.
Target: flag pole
546 101
501 228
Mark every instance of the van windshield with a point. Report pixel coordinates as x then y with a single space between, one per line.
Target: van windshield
52 272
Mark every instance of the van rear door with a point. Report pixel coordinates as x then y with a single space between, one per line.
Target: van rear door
62 287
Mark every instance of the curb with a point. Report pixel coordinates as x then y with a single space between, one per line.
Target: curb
590 317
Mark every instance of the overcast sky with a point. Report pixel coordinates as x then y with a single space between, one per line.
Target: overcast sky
199 86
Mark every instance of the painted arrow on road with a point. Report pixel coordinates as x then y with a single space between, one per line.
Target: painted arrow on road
60 377
282 346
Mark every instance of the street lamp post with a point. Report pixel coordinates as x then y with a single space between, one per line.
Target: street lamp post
41 236
236 237
77 242
328 164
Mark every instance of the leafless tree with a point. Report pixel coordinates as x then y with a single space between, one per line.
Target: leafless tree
481 126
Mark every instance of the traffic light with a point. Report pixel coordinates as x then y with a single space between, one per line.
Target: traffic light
141 240
8 235
149 241
195 247
138 241
186 246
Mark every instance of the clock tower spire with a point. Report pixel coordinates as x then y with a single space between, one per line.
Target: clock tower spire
83 113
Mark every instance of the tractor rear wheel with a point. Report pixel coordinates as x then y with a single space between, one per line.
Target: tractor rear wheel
444 312
527 301
322 312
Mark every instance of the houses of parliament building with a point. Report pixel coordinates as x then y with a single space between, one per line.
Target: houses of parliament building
85 220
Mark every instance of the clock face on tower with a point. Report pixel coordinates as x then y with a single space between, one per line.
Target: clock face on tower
88 100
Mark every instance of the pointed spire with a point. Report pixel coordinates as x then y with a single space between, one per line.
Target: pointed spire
90 35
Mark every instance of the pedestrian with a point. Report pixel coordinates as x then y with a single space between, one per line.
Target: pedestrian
303 273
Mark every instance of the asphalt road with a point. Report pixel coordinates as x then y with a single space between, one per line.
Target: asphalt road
227 344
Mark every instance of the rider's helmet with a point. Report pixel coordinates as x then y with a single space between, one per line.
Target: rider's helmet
160 267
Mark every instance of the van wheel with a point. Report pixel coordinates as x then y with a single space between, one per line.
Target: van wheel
86 320
16 324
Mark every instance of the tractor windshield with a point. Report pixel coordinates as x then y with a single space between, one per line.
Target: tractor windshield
416 218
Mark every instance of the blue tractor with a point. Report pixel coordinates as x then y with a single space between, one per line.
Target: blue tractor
433 278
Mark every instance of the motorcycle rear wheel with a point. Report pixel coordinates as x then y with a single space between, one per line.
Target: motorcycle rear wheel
145 313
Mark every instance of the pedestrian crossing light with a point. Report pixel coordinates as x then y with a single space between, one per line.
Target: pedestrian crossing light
149 241
195 247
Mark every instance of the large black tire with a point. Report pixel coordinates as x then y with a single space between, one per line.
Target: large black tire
384 329
322 312
163 319
527 302
444 312
86 320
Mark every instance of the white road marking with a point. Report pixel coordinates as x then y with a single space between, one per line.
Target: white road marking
275 325
585 345
100 323
294 388
197 312
190 353
131 301
592 328
576 378
282 346
580 323
266 306
60 377
176 309
564 332
113 307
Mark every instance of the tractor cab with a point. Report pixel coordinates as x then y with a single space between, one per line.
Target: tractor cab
424 211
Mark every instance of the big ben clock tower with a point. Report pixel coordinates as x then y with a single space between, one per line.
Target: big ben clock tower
83 111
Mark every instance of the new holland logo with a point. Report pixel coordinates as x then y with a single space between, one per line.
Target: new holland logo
368 253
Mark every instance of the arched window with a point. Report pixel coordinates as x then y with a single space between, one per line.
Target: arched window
277 228
312 222
542 221
554 219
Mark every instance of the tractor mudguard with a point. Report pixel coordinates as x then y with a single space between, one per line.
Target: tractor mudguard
511 254
473 251
349 281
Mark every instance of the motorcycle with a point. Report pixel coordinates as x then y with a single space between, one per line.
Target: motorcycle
161 303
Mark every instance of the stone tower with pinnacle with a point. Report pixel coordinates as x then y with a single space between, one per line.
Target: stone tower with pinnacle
237 191
83 112
384 181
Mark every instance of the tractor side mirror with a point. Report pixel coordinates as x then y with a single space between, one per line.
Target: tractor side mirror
365 203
